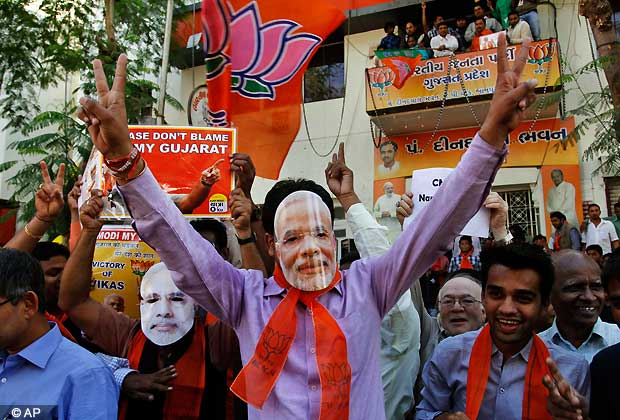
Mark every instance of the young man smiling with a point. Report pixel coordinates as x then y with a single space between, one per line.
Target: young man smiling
482 374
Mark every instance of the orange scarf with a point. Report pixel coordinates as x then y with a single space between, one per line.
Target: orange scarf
465 261
256 380
63 330
185 399
534 392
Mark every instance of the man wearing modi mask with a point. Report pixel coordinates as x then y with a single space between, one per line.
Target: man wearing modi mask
186 358
307 353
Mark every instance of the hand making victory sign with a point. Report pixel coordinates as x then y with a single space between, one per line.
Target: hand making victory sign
106 117
511 98
48 200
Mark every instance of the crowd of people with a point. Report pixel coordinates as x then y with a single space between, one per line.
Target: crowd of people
517 334
517 18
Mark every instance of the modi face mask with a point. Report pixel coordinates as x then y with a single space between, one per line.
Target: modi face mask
305 241
166 313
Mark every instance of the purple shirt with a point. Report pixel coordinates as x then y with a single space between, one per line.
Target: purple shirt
245 300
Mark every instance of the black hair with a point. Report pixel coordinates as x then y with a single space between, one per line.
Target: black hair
513 12
521 256
283 189
439 25
557 214
20 273
611 269
214 226
517 232
389 25
461 17
482 19
595 247
466 238
349 257
389 142
45 251
437 17
539 236
594 205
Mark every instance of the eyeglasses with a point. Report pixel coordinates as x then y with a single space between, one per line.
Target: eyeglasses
466 302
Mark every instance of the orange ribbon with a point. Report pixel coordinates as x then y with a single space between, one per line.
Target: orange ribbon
534 392
258 377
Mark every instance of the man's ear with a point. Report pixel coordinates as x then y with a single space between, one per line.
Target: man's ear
31 304
270 241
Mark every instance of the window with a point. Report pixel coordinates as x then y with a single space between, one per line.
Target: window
521 211
324 78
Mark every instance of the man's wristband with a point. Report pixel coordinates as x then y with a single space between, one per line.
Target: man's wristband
251 239
505 240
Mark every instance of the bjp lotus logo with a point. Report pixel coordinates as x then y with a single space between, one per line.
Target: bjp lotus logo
541 53
381 78
266 55
140 267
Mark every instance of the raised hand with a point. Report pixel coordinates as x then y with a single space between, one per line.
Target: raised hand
499 214
563 402
89 213
241 213
243 167
106 117
212 174
338 175
74 194
511 97
404 207
48 200
142 386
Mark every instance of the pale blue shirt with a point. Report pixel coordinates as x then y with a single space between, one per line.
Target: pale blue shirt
602 336
445 379
60 378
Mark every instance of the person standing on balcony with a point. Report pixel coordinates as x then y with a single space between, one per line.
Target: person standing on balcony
481 31
518 29
490 23
528 12
389 41
444 44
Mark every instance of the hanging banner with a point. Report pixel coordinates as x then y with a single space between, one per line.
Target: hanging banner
400 156
478 72
181 158
121 259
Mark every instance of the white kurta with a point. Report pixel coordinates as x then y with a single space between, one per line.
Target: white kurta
387 203
562 198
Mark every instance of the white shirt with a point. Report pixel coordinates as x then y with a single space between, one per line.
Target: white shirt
449 41
400 329
519 32
562 198
388 171
603 234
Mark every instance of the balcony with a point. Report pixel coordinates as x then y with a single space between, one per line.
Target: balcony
461 85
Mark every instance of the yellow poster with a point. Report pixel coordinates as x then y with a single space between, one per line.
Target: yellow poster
121 260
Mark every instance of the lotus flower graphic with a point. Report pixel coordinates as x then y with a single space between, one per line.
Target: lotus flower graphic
541 53
381 78
215 119
139 268
266 55
274 342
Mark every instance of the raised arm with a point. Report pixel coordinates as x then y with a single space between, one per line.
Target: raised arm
48 203
241 211
196 267
74 295
201 189
462 194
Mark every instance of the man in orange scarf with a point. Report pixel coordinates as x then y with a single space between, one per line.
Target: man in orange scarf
497 372
309 353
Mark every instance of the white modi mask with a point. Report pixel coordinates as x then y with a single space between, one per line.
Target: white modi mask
305 241
167 314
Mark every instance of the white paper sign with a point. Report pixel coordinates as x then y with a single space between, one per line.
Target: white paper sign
424 185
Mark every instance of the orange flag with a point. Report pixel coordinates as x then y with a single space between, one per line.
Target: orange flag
256 53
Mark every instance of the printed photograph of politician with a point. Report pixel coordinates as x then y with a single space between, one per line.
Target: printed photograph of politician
386 196
389 165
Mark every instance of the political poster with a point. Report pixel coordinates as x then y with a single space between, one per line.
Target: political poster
121 260
180 158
